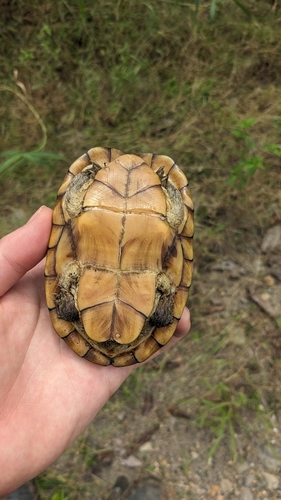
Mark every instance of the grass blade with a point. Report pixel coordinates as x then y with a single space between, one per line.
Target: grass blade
213 9
197 5
242 7
16 158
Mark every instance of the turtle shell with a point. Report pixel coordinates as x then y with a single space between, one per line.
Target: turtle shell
119 260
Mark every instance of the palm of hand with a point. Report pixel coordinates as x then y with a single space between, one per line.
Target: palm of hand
48 394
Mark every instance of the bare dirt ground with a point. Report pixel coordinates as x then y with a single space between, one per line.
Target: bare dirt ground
200 420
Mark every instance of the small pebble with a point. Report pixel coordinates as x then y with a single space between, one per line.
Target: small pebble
146 446
271 239
242 467
271 480
131 461
269 280
249 479
226 486
237 336
121 416
271 459
246 494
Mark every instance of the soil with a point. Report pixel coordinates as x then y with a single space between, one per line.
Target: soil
203 421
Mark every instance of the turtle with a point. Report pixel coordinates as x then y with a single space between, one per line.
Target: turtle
119 260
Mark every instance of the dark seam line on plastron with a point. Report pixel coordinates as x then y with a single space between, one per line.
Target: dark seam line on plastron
145 189
170 249
70 233
134 308
96 305
110 187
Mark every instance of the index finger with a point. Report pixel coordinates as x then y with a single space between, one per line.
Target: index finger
22 249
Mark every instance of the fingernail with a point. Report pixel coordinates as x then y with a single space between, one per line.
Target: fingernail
35 214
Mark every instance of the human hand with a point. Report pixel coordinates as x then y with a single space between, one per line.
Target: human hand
48 395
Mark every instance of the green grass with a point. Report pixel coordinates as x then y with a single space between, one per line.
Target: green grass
151 76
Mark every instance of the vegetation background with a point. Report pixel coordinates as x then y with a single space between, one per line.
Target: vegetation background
200 82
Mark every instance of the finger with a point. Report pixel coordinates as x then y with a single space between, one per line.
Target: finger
22 249
184 324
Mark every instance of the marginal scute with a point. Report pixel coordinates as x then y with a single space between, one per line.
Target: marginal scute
164 334
147 158
100 156
146 349
55 236
188 229
96 357
186 198
77 343
66 182
50 266
115 153
58 217
65 251
125 359
51 286
79 164
186 273
119 259
180 301
63 328
187 246
178 177
162 162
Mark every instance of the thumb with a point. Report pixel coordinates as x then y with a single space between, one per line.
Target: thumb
22 249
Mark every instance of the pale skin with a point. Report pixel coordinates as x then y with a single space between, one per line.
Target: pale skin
48 395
